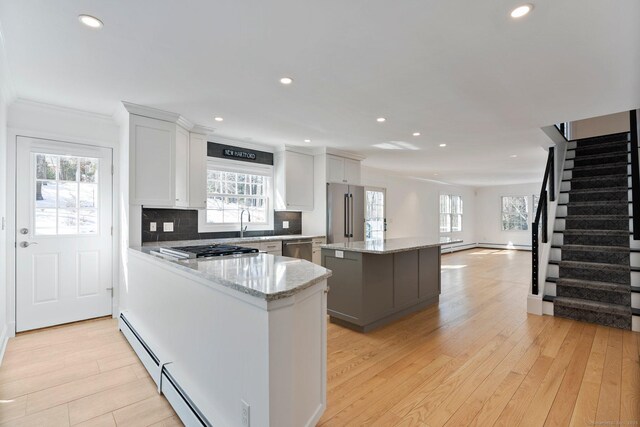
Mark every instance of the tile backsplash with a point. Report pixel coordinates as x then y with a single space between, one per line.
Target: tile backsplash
185 226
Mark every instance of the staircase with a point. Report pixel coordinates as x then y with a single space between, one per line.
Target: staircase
590 276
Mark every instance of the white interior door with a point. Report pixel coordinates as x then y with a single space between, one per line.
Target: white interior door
63 233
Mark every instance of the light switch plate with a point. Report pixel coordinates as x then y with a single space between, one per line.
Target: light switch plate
152 226
339 254
167 227
285 224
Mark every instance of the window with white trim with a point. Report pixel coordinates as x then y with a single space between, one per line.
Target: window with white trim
450 213
515 213
233 187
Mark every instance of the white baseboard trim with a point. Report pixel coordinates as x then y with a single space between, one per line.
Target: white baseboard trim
504 246
534 305
4 339
456 248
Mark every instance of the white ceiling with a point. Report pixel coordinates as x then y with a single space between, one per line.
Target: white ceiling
460 72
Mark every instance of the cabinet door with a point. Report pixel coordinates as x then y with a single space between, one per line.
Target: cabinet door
197 171
299 181
316 257
182 167
335 169
352 171
152 161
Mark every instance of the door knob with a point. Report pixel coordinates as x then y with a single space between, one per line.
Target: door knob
27 244
24 231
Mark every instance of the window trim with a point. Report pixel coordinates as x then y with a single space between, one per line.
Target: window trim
451 214
247 168
529 199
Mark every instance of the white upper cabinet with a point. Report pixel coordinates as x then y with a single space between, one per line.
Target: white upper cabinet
293 181
341 169
167 164
197 170
152 146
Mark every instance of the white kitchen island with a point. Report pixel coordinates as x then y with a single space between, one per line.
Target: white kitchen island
231 337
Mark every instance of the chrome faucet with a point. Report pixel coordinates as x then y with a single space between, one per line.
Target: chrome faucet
243 228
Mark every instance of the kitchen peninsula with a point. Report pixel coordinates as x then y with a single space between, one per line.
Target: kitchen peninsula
230 340
377 281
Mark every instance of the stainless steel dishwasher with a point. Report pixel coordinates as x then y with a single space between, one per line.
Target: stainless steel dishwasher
299 248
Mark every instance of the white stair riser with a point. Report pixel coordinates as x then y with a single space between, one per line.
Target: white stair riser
550 289
635 299
553 270
547 308
635 323
560 224
556 254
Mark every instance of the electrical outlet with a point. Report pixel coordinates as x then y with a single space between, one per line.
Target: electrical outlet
152 226
245 413
167 227
285 224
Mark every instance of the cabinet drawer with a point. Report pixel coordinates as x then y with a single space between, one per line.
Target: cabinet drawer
272 246
319 241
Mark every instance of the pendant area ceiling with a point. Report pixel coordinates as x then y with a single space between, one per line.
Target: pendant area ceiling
462 73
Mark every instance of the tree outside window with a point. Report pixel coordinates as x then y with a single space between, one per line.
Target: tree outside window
515 213
450 213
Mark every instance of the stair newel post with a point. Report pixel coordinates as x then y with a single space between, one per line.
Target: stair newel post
552 174
635 173
543 200
534 259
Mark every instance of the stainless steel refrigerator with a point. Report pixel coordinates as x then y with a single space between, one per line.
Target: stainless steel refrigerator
345 213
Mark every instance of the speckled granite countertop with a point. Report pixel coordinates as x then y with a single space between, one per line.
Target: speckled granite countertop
255 239
389 246
264 276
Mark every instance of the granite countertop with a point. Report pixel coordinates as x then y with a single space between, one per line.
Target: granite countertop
254 239
389 246
264 276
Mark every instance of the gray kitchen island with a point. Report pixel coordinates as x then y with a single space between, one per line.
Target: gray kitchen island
375 282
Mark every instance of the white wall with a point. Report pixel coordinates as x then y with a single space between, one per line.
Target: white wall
603 125
488 220
33 119
3 214
413 205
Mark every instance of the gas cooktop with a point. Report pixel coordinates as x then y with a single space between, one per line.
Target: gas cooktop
206 251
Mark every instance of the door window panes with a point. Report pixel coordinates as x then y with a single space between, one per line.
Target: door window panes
65 195
374 215
515 213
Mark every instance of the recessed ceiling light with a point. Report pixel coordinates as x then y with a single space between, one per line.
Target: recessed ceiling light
286 80
443 145
416 134
307 140
381 120
521 11
90 21
435 174
218 119
513 156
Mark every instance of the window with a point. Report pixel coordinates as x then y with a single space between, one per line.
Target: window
66 195
450 213
374 214
515 213
233 187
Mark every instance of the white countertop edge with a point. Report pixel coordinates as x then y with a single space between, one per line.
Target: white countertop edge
227 285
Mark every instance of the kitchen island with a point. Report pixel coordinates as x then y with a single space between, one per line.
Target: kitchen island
231 337
375 282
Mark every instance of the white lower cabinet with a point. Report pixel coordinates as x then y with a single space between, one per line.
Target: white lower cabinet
316 254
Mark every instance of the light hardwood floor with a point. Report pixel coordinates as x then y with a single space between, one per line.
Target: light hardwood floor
475 359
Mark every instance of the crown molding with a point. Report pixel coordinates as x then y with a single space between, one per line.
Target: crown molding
32 104
203 130
342 153
150 112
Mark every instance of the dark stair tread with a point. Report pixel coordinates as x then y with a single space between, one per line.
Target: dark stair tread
602 145
595 232
599 177
594 248
635 289
552 279
548 298
597 190
602 156
593 216
598 217
594 188
634 269
594 265
630 249
593 284
603 139
591 167
635 311
594 202
598 306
